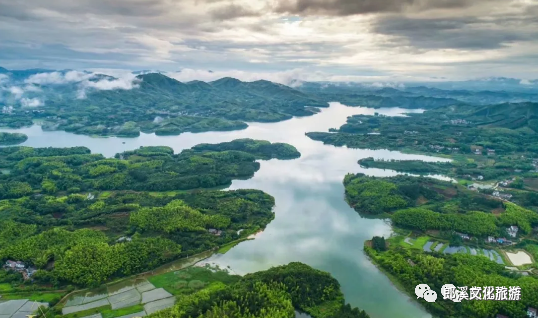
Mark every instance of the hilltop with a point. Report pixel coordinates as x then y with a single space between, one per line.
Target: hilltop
160 104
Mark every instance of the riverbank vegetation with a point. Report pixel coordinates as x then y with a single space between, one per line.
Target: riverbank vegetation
411 267
276 292
12 138
423 204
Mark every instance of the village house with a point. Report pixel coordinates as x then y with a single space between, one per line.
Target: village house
491 152
7 109
124 239
437 147
215 232
464 236
490 239
459 122
14 265
480 178
477 152
532 312
21 268
504 196
512 231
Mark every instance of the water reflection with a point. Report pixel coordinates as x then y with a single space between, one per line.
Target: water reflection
313 223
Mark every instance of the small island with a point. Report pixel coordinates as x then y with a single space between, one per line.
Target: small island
12 138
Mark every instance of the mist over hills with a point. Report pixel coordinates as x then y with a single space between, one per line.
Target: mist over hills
129 102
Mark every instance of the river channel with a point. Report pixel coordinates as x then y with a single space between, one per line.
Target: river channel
313 223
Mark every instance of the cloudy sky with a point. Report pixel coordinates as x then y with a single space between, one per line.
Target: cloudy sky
308 39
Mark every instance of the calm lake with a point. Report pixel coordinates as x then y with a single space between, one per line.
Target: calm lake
313 223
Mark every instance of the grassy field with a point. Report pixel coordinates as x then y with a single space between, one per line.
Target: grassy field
122 312
191 279
45 297
105 194
420 241
88 312
5 288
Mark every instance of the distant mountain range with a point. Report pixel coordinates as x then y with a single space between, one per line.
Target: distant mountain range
86 102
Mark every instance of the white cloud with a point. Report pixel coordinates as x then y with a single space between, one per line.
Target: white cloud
525 82
31 102
16 91
57 78
83 80
3 78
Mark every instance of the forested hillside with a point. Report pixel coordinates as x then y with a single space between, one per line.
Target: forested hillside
274 293
165 106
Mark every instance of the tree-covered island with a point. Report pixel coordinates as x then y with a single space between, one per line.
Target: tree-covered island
7 139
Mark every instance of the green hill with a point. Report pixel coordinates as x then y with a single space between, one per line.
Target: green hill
166 106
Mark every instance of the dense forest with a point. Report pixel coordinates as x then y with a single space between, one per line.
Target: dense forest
58 231
413 267
144 169
57 217
12 138
276 292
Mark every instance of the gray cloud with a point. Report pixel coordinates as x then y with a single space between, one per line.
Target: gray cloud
348 37
455 33
352 7
233 11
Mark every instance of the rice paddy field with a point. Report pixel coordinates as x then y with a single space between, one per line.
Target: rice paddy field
141 297
427 244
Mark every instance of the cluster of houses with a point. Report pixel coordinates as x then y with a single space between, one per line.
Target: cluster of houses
490 152
439 148
412 132
511 231
20 267
531 313
506 183
535 164
499 240
459 122
7 109
502 195
35 111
